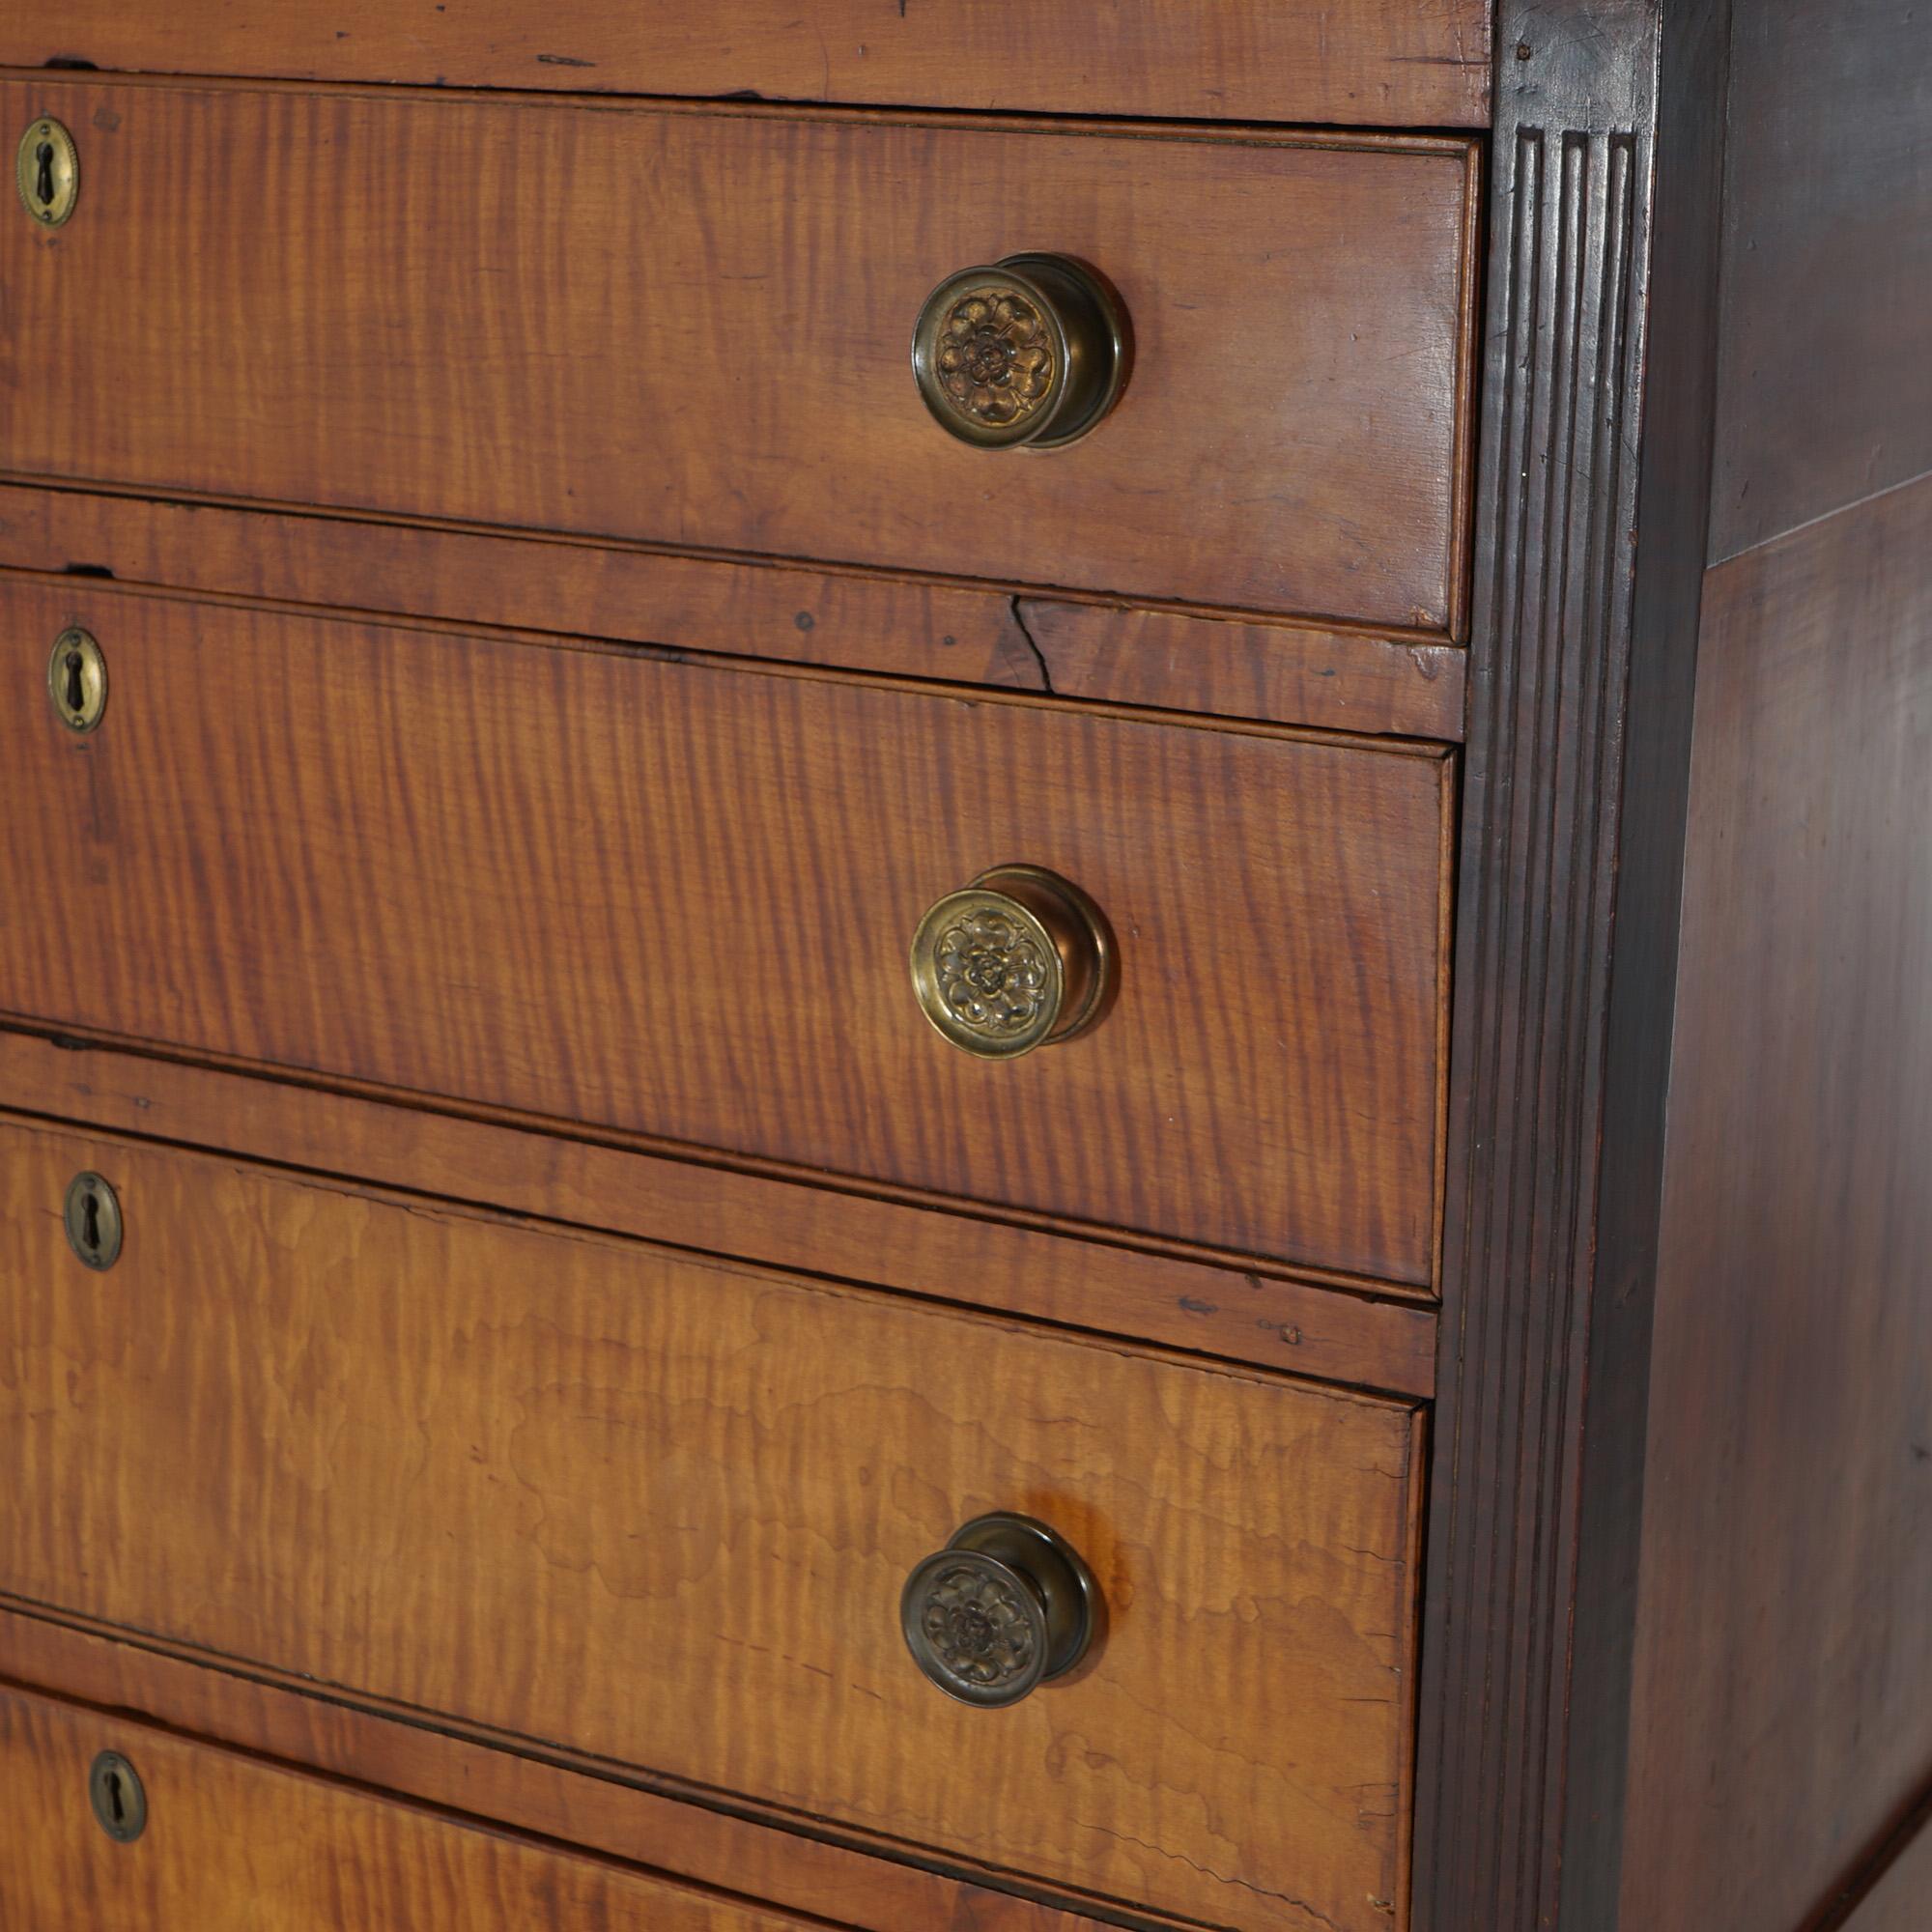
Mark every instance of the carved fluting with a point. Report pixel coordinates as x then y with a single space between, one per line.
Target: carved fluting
1551 646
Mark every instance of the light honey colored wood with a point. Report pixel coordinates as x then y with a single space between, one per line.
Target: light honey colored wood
853 619
237 1845
1141 1293
692 326
1422 63
676 898
661 1511
550 1794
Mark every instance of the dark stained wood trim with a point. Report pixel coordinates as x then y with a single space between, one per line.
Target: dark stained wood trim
1595 462
577 1801
1888 1894
603 1183
847 618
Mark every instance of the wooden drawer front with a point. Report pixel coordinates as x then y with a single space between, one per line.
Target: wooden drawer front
661 1511
1393 63
677 899
692 328
236 1845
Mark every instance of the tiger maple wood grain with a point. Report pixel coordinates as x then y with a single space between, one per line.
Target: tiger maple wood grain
676 899
551 1795
1243 1312
1421 63
692 328
661 1511
856 620
237 1845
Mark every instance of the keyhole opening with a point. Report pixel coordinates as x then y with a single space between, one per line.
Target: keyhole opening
44 188
77 689
114 1798
90 1240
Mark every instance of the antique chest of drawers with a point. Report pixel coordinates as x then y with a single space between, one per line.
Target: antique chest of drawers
892 970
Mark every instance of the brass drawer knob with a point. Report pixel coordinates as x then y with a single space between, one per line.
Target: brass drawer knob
1019 959
1029 351
1006 1607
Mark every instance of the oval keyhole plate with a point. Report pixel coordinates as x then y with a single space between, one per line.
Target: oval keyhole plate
77 679
92 1215
120 1803
46 171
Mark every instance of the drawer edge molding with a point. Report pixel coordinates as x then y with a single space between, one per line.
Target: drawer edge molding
484 1360
1381 62
1384 1344
237 1824
1322 677
1294 436
548 1792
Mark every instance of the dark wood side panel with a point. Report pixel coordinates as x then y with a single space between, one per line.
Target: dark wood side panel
676 898
691 327
1373 1341
1419 63
1826 383
1783 1706
853 619
234 1844
550 1794
660 1511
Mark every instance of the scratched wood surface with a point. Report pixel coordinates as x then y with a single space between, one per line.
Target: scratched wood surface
692 325
1398 63
234 1844
661 1510
855 619
677 899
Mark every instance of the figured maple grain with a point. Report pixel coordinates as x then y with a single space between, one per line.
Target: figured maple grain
1243 1312
859 621
692 326
1420 63
550 1794
661 1510
1351 683
237 1845
676 899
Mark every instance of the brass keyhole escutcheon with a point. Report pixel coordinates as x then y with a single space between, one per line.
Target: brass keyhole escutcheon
120 1802
92 1217
46 171
77 679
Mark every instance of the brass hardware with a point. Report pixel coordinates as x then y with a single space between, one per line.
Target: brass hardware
1006 1607
92 1215
77 679
47 170
1019 959
1031 350
120 1803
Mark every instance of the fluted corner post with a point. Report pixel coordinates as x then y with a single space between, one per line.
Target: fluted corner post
1592 489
